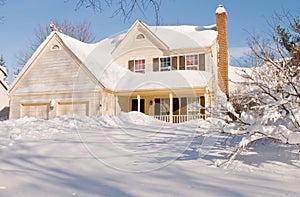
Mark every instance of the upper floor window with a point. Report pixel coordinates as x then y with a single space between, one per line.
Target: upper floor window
181 62
139 66
191 62
165 64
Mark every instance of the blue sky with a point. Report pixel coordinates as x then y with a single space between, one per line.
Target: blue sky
244 17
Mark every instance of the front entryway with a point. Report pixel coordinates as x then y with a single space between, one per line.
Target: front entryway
135 105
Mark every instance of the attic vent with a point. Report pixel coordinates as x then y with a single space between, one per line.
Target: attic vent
140 36
55 47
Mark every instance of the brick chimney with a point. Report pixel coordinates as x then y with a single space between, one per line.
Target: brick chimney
223 60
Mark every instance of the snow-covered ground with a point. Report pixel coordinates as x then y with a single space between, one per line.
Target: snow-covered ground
134 155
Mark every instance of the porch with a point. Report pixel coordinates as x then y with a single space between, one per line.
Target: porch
167 106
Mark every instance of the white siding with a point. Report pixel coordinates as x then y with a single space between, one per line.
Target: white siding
55 75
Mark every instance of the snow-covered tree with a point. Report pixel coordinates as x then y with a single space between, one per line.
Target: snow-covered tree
267 97
273 84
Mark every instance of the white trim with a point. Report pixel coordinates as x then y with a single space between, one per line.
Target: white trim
171 107
139 103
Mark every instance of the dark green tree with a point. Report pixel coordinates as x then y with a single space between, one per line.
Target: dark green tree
2 62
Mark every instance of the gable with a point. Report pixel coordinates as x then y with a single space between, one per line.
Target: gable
139 37
55 68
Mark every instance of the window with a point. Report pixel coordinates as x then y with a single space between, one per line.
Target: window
162 106
140 36
193 106
139 66
191 62
165 64
55 47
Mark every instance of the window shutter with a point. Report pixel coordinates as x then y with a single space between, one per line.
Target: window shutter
156 106
181 63
202 103
174 63
155 65
131 65
202 62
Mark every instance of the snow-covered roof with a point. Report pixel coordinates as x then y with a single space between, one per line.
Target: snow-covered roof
81 49
236 76
185 36
180 79
98 58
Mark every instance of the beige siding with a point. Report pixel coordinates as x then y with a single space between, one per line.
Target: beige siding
108 105
132 48
3 98
123 102
55 70
55 75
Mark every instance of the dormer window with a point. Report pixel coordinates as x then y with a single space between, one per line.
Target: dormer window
140 36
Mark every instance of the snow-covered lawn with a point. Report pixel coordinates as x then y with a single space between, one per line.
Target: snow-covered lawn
135 155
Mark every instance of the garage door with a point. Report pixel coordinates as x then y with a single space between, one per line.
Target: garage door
36 110
78 108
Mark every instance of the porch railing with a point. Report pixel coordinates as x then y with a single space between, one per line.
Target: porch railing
179 118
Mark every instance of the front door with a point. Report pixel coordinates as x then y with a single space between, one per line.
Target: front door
134 105
175 106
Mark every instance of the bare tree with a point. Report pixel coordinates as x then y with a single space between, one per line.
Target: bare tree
80 31
2 2
123 8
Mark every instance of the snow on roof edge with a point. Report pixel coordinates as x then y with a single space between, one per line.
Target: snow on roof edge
31 59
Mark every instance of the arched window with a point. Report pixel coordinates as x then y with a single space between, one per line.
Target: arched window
55 47
140 36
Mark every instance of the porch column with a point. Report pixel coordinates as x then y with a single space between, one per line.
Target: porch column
207 97
116 104
171 108
139 103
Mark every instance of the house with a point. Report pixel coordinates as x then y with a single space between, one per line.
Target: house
3 94
169 72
